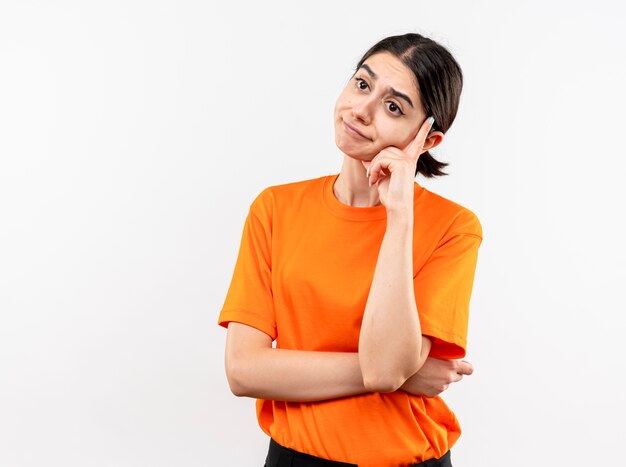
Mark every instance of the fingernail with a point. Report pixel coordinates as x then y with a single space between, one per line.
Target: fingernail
431 120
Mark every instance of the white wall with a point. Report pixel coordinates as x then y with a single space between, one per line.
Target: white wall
135 134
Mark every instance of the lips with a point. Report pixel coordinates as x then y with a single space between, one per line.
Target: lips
353 130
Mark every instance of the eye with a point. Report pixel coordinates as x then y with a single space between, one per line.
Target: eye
393 107
360 81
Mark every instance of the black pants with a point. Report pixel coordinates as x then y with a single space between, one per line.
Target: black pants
280 456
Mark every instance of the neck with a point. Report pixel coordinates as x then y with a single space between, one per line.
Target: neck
351 187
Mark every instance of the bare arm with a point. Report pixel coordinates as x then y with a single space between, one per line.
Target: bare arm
255 369
306 376
391 348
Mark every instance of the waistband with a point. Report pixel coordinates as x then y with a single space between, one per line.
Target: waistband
280 456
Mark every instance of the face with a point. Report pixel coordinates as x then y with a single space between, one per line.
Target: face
381 101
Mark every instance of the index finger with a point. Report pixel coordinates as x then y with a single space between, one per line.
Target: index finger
415 146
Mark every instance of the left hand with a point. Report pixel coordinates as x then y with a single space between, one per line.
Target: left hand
436 375
392 170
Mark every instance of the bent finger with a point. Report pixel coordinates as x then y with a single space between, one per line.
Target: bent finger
377 170
465 368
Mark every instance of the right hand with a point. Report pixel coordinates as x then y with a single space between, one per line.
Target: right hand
436 375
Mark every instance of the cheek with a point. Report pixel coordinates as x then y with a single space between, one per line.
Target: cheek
344 100
341 104
390 133
338 106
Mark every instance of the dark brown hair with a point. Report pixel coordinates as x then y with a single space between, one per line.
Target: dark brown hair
440 81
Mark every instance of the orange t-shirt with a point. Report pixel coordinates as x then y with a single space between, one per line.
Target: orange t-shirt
303 274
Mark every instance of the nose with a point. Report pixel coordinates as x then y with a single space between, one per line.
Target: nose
362 110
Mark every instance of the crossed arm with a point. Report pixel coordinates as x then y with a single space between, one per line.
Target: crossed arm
391 356
255 369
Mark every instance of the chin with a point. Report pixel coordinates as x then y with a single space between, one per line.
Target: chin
359 156
353 151
347 150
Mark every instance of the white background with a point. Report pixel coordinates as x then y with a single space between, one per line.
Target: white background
135 134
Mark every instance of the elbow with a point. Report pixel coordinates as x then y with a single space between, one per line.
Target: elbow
237 390
235 382
392 381
390 378
382 384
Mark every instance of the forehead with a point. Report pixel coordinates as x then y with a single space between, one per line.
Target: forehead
390 71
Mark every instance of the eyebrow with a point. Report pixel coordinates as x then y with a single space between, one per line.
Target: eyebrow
392 90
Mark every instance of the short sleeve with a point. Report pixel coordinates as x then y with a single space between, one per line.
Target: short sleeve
249 299
443 288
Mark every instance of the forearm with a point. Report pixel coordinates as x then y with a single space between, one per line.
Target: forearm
390 342
301 376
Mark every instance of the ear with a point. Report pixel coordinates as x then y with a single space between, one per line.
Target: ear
433 140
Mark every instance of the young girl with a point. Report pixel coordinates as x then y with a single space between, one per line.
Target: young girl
363 278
